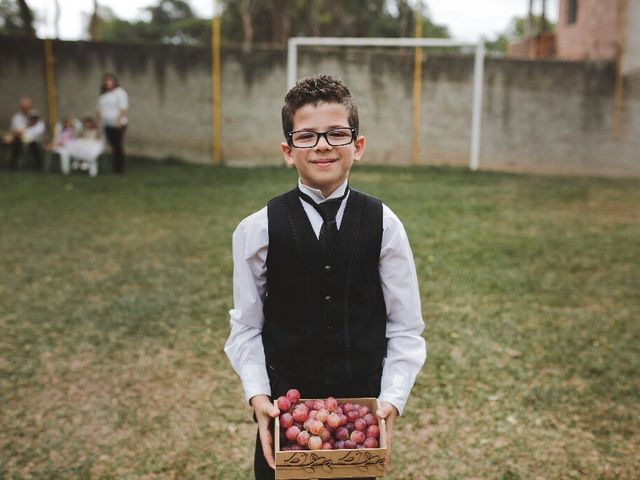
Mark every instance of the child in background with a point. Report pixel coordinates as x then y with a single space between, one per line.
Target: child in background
64 136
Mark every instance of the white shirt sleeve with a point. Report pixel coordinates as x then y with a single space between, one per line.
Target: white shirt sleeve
406 349
123 99
244 346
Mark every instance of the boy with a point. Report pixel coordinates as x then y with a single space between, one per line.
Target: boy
325 289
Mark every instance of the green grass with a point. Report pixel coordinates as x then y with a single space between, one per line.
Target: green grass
114 299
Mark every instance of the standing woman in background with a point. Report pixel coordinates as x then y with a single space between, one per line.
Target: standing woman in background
112 107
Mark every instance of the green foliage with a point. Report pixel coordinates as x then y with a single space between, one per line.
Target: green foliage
250 22
171 21
11 20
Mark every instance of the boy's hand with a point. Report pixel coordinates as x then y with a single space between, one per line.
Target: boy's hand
389 413
265 411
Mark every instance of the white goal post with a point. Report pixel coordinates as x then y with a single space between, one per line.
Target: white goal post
478 73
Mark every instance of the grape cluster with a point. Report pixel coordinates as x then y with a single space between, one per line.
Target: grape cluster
325 424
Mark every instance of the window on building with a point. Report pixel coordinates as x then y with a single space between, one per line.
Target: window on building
572 13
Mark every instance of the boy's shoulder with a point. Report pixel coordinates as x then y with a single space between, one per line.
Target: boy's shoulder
253 223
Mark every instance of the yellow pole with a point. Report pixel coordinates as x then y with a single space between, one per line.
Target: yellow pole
417 93
215 86
617 93
52 102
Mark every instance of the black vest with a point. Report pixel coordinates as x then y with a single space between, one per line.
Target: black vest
325 316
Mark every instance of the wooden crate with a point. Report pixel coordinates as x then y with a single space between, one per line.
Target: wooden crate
344 463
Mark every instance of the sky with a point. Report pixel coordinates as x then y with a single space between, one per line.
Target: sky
468 20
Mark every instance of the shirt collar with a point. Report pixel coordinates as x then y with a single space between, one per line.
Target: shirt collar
316 194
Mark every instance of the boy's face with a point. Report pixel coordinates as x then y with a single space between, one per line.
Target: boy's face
324 167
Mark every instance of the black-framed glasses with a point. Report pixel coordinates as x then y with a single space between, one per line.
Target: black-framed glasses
336 137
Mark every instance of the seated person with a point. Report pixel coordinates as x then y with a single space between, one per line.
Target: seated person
26 129
65 133
83 150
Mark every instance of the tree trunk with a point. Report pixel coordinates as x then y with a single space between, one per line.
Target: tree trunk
312 10
26 15
404 11
93 22
529 31
280 22
244 9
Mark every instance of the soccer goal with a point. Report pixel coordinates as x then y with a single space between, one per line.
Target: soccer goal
478 73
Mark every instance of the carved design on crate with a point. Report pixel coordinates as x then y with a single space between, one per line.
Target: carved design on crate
312 462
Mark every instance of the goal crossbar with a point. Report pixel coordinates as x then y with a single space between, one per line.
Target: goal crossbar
478 69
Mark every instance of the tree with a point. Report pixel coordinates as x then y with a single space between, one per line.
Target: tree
272 22
171 21
16 18
26 15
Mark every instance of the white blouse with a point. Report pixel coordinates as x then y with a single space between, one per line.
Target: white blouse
110 105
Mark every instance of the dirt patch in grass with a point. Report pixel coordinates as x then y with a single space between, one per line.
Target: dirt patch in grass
150 409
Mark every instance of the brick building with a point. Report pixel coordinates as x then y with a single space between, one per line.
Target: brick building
593 29
588 30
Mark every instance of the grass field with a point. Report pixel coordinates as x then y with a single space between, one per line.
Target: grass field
114 299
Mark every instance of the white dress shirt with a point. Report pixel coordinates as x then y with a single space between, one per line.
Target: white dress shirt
110 106
406 349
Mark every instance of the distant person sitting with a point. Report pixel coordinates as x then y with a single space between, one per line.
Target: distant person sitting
80 150
27 129
65 134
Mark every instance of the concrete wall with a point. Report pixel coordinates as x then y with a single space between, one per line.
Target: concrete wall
537 116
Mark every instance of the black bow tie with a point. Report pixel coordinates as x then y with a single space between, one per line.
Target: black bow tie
328 211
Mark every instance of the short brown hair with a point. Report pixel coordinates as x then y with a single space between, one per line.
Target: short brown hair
313 90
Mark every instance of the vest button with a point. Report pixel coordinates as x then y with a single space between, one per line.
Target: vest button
327 269
328 299
329 328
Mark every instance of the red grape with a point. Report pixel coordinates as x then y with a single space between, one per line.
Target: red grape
352 415
292 433
373 431
331 404
371 419
333 420
360 424
283 404
342 433
315 443
316 427
293 395
286 420
322 414
343 420
370 443
300 414
303 438
358 437
350 444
